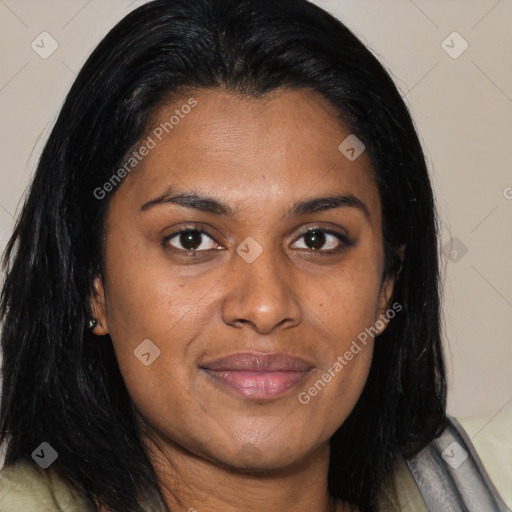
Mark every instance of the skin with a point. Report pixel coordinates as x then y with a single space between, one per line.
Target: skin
216 449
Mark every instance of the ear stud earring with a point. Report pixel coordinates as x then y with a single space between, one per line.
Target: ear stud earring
92 324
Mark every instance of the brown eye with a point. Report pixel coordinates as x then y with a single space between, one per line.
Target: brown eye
314 239
191 240
322 240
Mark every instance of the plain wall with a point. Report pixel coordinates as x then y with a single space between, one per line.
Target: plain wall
462 107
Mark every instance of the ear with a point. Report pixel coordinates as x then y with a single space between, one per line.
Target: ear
97 306
386 292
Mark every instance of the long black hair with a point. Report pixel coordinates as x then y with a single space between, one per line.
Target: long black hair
62 386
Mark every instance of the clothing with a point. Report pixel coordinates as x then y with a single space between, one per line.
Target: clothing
484 449
467 469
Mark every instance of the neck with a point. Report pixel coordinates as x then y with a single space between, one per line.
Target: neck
191 483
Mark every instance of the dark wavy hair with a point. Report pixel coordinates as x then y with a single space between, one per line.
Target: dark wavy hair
62 386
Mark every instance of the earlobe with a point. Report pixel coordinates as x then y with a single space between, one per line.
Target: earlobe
98 324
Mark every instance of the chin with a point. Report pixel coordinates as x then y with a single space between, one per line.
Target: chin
260 459
255 463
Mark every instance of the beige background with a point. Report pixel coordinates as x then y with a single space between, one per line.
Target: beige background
462 107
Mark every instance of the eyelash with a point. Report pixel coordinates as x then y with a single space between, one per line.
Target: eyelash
345 242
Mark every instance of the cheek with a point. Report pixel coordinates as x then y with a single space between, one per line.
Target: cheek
348 300
148 300
344 309
152 322
147 296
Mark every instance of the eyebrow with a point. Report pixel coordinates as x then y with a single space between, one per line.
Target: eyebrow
210 205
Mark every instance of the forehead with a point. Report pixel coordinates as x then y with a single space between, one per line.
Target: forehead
251 149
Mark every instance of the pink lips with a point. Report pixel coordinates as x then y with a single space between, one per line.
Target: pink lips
258 375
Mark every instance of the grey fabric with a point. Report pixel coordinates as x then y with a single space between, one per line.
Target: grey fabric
451 477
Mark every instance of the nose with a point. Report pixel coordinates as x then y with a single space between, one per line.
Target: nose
261 295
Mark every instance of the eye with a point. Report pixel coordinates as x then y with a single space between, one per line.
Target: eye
322 240
191 240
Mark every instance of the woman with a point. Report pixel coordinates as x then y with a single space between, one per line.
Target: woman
222 292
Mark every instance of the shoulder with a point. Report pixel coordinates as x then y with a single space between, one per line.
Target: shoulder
492 438
24 487
471 462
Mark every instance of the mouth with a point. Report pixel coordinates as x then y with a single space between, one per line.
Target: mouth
257 375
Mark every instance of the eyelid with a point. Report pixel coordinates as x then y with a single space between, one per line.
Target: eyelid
341 235
345 241
185 229
330 231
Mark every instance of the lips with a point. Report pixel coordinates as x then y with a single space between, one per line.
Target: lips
257 375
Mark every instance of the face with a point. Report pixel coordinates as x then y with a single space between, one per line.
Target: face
233 293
